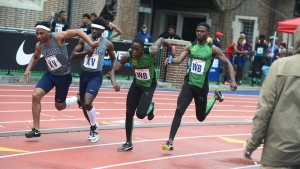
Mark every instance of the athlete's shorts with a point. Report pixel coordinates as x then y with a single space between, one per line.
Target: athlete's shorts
230 60
61 83
90 82
241 62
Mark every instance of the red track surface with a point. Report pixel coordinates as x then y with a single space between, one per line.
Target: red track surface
195 146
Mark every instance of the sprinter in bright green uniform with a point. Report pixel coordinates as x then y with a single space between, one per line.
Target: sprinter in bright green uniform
195 84
140 94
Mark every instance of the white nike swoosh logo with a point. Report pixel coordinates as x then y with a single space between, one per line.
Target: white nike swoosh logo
23 58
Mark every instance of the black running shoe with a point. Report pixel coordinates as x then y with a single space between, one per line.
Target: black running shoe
152 113
218 95
167 146
78 100
125 147
33 133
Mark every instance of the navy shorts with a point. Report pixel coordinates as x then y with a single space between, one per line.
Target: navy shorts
61 83
239 61
90 82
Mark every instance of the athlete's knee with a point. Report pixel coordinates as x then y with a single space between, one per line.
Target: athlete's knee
88 105
36 96
179 112
60 106
201 118
140 114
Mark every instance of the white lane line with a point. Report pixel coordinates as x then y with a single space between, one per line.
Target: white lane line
70 110
120 118
169 157
67 116
109 144
249 167
47 115
157 103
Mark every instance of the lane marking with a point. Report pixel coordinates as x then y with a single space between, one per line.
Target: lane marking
231 140
117 118
47 115
11 150
117 143
170 157
103 109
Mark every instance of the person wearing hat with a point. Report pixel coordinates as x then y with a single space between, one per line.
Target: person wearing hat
216 40
143 34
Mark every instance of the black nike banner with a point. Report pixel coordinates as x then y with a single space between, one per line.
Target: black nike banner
18 48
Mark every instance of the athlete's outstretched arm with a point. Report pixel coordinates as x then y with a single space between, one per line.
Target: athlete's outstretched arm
78 52
34 59
161 41
111 54
70 33
217 52
181 57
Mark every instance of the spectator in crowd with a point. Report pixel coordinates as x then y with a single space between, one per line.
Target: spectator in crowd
216 40
143 34
110 28
282 47
61 24
239 60
170 34
248 58
261 49
243 35
93 16
272 56
86 27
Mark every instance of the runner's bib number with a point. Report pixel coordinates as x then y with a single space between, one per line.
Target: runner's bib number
142 74
198 67
52 62
105 34
91 62
260 50
58 29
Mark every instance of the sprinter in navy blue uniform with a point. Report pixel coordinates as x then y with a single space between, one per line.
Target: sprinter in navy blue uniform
53 48
91 71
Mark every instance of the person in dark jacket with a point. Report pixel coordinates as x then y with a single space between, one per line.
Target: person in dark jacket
143 34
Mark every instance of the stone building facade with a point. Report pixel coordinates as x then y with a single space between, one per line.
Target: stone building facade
228 16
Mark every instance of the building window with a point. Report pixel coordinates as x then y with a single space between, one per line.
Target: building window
248 29
145 15
178 19
247 24
24 4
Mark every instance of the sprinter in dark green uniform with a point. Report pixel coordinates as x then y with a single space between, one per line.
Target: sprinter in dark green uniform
196 81
140 94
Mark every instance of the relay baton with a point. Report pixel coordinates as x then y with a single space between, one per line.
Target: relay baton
171 56
170 59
